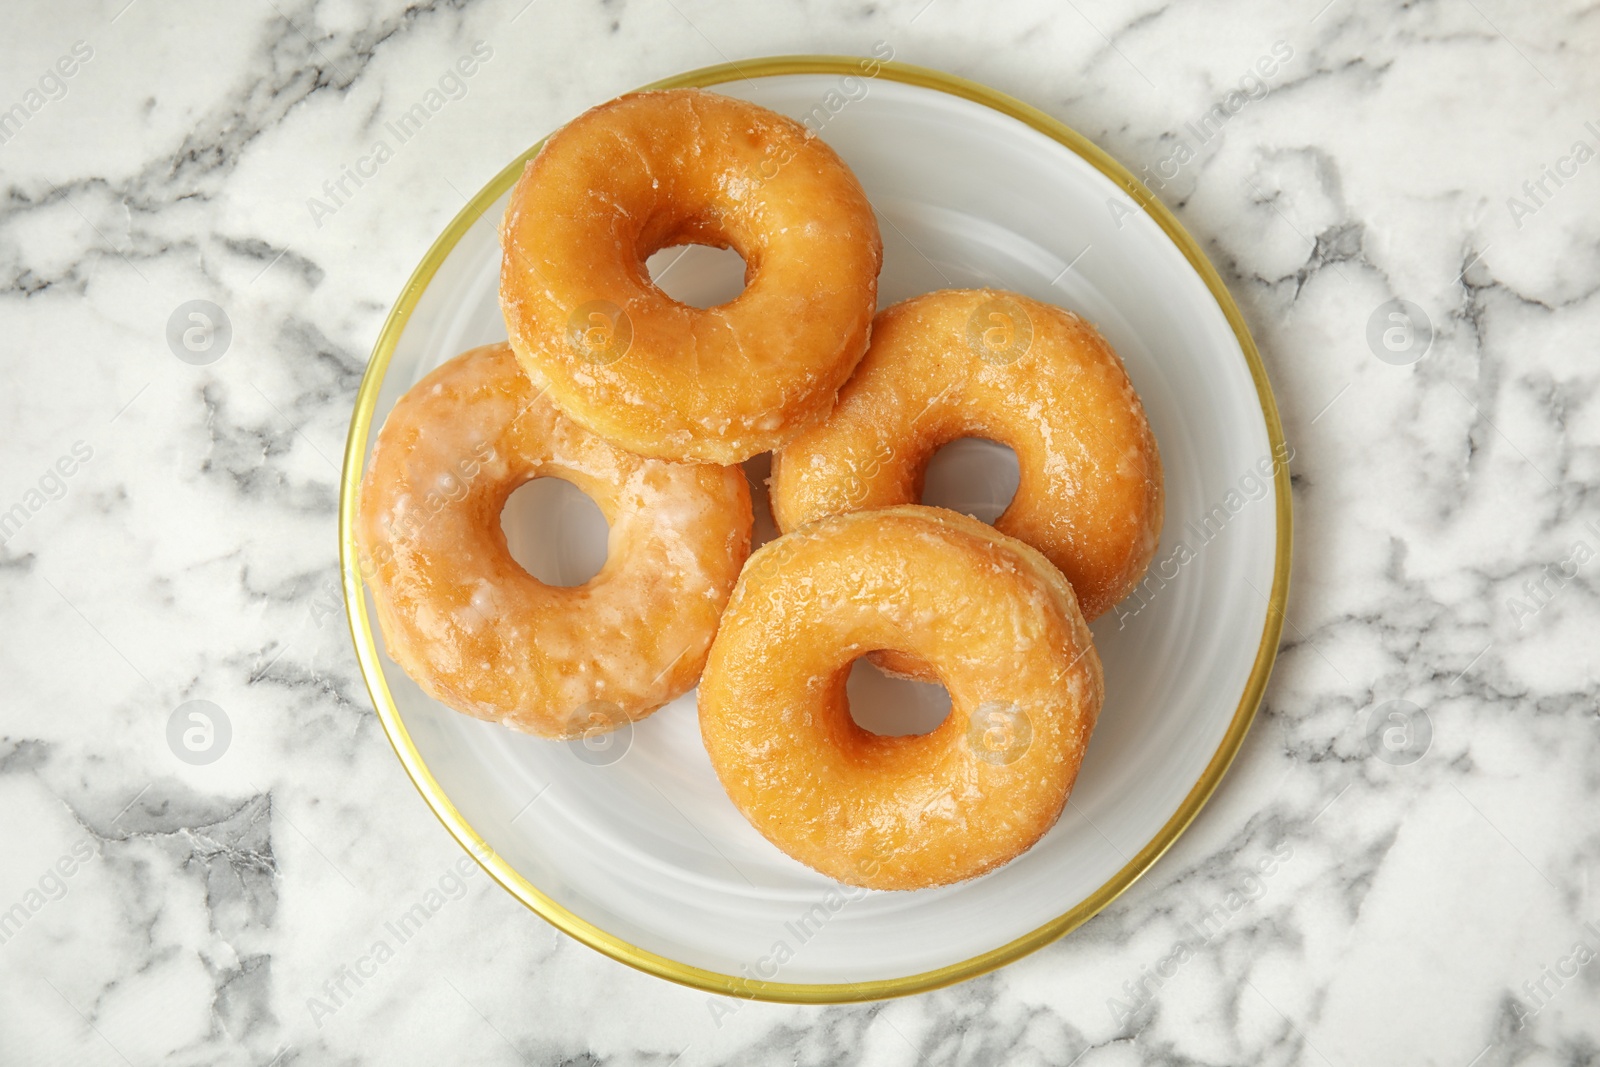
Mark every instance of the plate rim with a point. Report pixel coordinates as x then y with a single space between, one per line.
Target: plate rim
736 985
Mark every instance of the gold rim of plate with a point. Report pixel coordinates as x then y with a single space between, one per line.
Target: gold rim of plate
736 985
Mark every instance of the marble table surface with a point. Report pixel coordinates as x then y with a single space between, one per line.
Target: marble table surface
169 534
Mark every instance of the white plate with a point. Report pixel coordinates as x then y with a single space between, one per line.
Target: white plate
643 856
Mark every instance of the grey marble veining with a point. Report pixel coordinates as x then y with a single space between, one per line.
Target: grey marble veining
1432 904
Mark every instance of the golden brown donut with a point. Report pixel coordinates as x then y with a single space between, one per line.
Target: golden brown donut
481 634
660 378
997 365
991 619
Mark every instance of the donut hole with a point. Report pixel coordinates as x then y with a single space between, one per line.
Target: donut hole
555 532
698 275
894 707
972 475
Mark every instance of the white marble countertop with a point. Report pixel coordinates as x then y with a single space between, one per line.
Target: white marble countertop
175 539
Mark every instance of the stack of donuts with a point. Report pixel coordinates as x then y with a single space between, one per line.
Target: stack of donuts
649 406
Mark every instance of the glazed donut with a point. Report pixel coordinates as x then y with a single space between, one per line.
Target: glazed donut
990 618
996 365
478 632
660 378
